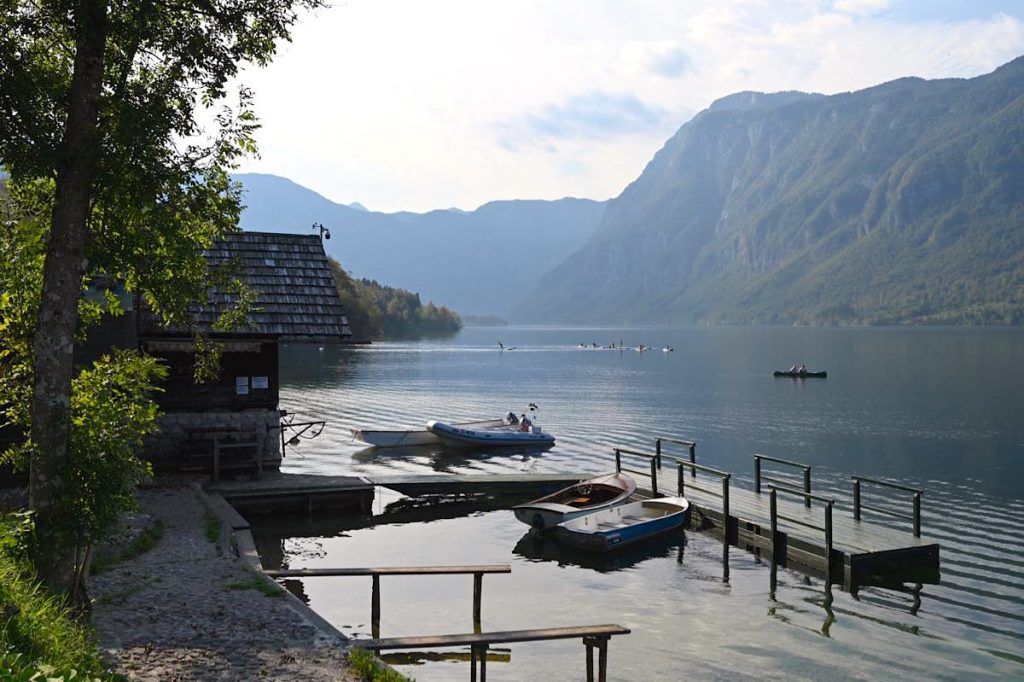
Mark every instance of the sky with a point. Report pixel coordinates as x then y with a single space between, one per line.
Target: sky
430 104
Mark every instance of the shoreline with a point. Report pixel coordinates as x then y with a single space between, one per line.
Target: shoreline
190 609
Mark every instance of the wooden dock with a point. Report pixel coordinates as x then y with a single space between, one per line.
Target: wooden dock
783 520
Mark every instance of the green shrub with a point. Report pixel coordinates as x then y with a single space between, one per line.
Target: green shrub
371 669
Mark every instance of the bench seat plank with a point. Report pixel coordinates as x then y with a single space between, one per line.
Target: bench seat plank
391 570
492 637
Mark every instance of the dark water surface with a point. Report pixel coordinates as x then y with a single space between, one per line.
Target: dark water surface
940 409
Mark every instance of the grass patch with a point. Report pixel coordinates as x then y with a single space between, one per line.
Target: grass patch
148 539
255 584
212 527
37 631
371 669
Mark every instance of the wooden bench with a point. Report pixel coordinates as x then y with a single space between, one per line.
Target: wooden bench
594 636
477 572
213 441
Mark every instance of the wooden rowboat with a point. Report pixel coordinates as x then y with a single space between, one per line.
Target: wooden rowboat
576 500
626 524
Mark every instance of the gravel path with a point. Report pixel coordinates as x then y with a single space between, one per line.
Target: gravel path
184 612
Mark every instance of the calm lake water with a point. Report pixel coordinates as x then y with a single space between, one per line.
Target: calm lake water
939 409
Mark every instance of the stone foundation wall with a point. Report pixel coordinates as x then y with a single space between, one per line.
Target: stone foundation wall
174 447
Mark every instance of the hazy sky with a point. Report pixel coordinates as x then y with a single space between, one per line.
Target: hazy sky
424 104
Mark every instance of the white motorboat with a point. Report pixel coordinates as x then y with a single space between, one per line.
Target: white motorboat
609 529
582 498
391 439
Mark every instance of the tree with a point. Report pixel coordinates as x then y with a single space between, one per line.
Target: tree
99 102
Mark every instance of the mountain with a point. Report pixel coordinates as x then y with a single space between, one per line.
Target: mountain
898 204
480 261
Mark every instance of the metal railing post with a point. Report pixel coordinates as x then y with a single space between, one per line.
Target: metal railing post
725 527
773 513
657 450
654 477
757 474
478 592
828 543
680 479
618 461
693 459
807 486
917 515
856 499
375 607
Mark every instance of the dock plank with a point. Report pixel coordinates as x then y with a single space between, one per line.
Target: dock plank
506 637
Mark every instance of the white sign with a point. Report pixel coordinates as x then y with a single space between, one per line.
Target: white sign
242 385
260 382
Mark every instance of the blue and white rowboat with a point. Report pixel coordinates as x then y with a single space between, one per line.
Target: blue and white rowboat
609 529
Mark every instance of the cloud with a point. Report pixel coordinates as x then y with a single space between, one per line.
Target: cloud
861 7
591 115
666 59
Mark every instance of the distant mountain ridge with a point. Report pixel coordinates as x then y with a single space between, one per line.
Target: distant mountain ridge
899 204
480 261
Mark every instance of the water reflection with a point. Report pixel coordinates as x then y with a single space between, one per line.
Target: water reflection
444 459
536 547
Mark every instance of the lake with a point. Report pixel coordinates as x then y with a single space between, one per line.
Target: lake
938 409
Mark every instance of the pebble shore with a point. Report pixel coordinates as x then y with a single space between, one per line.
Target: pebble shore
185 610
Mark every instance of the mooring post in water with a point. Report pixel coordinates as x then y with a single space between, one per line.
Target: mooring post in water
807 486
917 515
773 512
654 477
618 461
657 450
680 480
375 607
693 459
757 474
856 499
725 527
478 590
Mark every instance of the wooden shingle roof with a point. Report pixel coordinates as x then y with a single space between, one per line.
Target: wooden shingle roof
296 298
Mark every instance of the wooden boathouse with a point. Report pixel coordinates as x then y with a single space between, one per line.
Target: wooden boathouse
236 417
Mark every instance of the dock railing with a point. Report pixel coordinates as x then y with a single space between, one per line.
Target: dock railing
689 444
653 459
826 528
780 482
682 464
477 572
915 518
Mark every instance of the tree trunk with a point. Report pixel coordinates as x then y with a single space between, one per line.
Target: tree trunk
58 308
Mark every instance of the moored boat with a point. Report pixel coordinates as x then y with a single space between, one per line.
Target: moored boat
623 525
582 498
391 439
801 375
505 434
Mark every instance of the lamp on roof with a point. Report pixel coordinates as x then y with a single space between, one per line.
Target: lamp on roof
324 232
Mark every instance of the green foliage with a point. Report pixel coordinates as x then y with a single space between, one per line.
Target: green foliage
377 311
211 528
258 584
37 633
370 668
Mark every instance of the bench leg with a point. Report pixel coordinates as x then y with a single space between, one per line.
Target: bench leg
483 663
602 658
589 643
472 664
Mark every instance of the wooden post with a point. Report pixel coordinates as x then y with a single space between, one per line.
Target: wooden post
216 458
472 663
725 528
618 461
807 486
589 643
482 655
375 607
478 589
657 450
602 659
856 499
654 478
693 459
773 578
828 543
917 515
757 474
680 479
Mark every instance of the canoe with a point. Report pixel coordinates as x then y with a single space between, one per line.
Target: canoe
392 439
456 435
624 525
576 500
801 375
